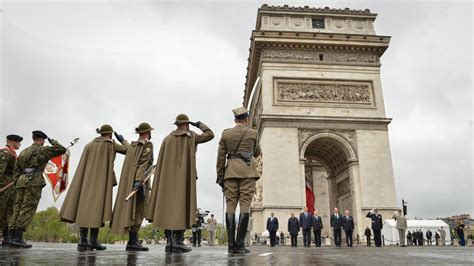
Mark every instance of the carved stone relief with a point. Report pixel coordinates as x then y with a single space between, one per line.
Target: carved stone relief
315 91
338 57
258 196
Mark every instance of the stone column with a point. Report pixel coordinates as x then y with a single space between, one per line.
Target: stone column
356 196
302 182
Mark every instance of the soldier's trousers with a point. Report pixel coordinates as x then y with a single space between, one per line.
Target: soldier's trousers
26 202
239 190
7 200
139 214
401 236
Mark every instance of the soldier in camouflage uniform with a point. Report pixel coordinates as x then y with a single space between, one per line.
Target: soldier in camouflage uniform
28 176
7 195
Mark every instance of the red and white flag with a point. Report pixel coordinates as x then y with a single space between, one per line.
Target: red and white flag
56 172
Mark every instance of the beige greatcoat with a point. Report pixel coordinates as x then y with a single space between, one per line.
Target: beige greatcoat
173 194
88 202
131 213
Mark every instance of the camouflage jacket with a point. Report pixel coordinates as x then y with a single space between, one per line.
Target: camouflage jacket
7 165
33 160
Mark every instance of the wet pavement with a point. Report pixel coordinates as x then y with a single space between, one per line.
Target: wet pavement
66 254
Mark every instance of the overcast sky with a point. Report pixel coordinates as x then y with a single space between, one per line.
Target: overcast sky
69 67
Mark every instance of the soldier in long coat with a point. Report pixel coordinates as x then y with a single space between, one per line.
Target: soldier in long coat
173 195
29 183
128 215
7 196
88 202
237 174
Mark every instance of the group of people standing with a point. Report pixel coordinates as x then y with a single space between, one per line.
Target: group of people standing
21 183
311 224
169 203
417 238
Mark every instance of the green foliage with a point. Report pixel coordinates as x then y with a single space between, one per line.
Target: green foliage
46 227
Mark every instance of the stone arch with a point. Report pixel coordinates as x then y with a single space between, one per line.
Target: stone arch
334 139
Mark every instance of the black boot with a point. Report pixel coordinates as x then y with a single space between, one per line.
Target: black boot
169 241
6 237
241 232
18 241
93 243
133 243
230 223
179 246
82 245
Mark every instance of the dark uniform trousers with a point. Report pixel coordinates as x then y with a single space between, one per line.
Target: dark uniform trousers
7 198
239 190
377 237
26 202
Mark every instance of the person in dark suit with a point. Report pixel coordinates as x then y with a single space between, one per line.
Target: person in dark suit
377 226
336 225
306 220
368 234
348 226
317 227
415 237
429 237
272 227
421 238
409 239
293 229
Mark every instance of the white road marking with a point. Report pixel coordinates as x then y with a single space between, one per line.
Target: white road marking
265 254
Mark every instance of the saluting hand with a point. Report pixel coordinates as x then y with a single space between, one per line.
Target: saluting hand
196 124
119 137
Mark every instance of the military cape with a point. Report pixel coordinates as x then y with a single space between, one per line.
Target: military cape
88 202
135 164
173 196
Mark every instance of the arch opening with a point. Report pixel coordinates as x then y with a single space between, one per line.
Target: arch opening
327 160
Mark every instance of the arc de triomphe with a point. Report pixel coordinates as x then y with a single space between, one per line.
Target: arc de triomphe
315 96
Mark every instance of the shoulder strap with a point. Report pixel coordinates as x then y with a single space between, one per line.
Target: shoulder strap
240 141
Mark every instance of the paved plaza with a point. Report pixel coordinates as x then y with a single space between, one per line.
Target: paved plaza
66 254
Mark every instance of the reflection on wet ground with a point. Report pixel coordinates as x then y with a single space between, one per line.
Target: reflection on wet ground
62 254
